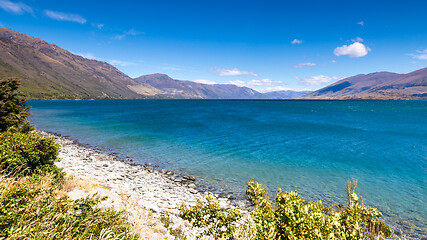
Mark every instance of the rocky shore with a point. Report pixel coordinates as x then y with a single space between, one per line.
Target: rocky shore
151 196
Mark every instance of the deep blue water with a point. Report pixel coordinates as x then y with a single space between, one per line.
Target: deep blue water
311 146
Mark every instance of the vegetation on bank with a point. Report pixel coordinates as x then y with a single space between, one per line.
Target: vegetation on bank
33 204
289 217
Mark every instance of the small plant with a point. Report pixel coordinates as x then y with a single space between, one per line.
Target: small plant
27 153
177 232
207 214
165 219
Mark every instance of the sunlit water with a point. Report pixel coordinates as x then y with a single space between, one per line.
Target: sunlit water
311 146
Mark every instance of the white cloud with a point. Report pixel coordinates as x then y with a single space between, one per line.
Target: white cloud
281 88
87 55
263 85
16 8
263 82
232 72
296 41
307 64
358 39
131 32
356 49
121 63
60 16
420 55
361 23
98 25
316 80
333 61
204 81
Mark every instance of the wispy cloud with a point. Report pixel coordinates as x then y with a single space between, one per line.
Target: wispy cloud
121 63
98 25
232 72
171 68
204 81
60 16
358 39
15 8
296 41
254 82
354 50
131 32
262 85
361 23
88 56
281 88
307 64
420 54
316 80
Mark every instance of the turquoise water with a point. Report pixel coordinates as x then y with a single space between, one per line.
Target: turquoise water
311 146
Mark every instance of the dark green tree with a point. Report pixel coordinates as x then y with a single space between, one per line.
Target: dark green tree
13 111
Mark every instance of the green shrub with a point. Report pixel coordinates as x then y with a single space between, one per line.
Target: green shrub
13 112
27 153
32 208
293 218
290 217
208 214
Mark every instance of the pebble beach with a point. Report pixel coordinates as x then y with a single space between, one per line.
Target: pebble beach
146 193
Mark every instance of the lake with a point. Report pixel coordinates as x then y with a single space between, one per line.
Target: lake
311 146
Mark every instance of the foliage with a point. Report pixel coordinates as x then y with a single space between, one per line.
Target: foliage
293 218
290 217
32 208
263 215
13 112
207 214
27 153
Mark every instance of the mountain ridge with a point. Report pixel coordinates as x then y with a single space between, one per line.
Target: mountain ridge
189 89
378 85
50 72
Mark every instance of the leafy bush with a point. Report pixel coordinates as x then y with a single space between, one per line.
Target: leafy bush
26 153
290 217
293 218
208 214
32 208
13 112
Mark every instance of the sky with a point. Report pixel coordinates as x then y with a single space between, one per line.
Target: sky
265 45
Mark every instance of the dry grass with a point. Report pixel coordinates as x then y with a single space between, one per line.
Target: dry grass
142 221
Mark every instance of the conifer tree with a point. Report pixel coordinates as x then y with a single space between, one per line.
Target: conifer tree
13 111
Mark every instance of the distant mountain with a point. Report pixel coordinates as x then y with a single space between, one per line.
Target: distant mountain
285 94
379 85
50 72
188 89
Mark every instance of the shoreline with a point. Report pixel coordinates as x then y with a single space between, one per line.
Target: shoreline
149 187
135 188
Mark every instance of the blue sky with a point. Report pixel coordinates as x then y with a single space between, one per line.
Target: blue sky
265 45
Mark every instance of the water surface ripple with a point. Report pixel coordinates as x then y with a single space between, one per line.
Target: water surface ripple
311 146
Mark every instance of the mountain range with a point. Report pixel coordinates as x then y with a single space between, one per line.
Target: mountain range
379 85
50 72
